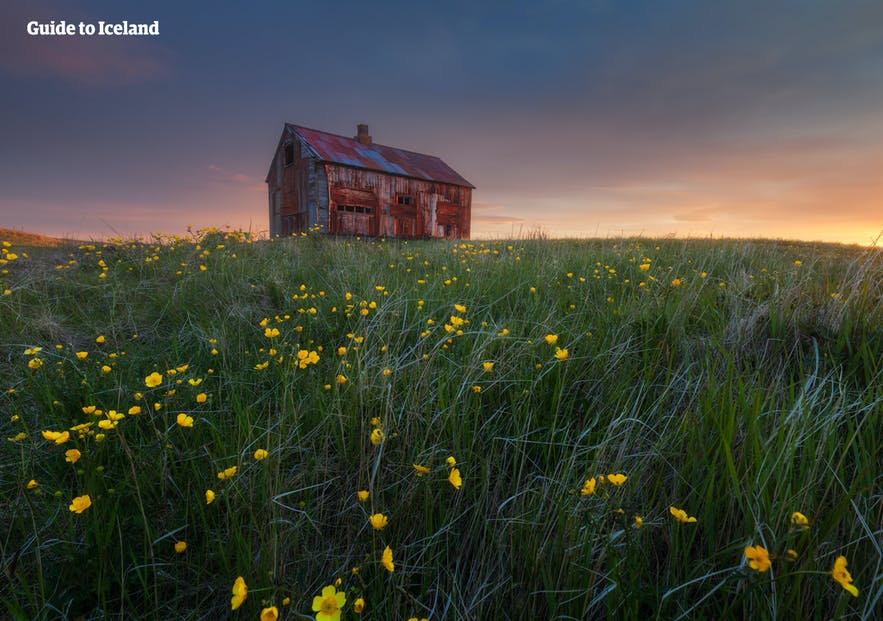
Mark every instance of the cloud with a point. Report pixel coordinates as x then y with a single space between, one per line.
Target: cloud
222 175
93 61
487 213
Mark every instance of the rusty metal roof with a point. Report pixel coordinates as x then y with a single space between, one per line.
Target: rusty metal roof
350 152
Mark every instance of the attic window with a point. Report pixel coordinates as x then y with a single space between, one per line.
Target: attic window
289 153
404 199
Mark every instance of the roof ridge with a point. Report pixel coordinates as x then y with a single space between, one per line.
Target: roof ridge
386 146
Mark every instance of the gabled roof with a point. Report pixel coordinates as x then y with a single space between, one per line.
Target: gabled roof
336 149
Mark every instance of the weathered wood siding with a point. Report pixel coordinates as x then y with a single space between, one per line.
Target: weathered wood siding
435 209
345 200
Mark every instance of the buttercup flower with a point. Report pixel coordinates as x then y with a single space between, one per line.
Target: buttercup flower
226 474
589 487
377 436
421 470
362 495
271 333
270 614
842 576
378 521
386 560
153 380
561 354
180 547
551 339
639 521
201 397
329 604
487 366
240 592
80 504
616 479
759 558
455 479
185 421
82 355
72 455
798 519
209 496
32 484
260 454
680 515
359 606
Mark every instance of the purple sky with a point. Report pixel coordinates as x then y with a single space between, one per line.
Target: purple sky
577 117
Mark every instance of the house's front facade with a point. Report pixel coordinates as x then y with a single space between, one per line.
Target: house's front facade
351 186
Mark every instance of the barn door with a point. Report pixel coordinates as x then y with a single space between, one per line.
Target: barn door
354 212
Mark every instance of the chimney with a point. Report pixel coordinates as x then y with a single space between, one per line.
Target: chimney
362 136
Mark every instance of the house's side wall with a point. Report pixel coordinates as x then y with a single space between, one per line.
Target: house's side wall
390 219
291 190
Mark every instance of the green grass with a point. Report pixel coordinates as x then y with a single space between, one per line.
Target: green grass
751 390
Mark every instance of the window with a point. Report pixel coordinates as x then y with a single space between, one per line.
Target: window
404 199
355 209
289 153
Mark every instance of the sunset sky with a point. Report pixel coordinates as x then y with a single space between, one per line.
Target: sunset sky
577 117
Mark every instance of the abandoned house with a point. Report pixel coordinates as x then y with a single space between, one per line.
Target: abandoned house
352 186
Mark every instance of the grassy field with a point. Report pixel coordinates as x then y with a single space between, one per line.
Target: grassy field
547 429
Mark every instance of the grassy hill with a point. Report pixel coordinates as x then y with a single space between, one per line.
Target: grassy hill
511 429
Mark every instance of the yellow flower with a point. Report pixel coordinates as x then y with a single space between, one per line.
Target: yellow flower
377 436
378 521
791 554
644 267
226 474
551 339
341 379
487 366
451 461
842 575
184 420
153 380
260 454
201 397
561 354
329 604
180 547
100 338
59 437
459 308
80 504
676 282
270 614
362 495
209 496
798 519
589 487
680 515
271 333
359 606
240 592
21 435
759 558
476 389
72 455
386 560
106 369
616 479
341 351
134 410
421 470
81 355
32 484
35 363
798 263
454 478
639 521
